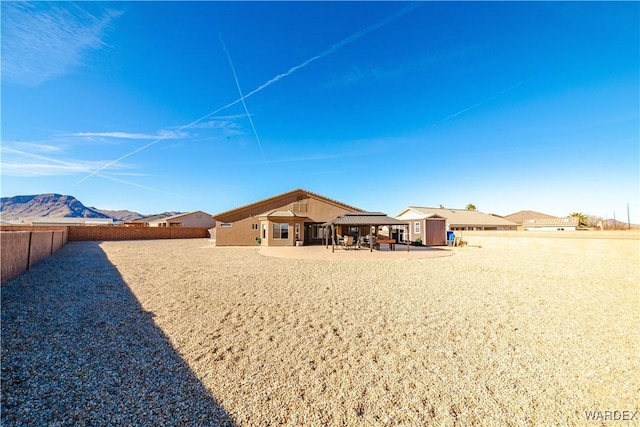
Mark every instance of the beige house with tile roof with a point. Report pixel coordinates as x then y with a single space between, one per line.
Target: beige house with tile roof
522 216
282 220
458 219
189 219
551 224
146 221
536 221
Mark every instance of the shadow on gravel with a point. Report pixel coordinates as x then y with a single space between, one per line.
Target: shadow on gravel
78 349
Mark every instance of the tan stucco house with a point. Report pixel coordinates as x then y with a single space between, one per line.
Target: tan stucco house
289 219
189 219
198 219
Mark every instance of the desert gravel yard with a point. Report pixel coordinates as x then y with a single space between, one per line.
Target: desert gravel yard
527 331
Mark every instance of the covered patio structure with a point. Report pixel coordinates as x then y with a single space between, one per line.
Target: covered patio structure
359 225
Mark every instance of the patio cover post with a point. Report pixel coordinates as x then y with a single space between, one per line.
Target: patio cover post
361 219
326 236
370 240
333 239
407 234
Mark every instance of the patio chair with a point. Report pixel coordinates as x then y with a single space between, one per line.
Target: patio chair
348 242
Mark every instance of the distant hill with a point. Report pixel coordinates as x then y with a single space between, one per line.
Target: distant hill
57 206
41 205
122 215
611 224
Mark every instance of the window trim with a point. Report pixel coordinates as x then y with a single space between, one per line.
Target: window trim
280 227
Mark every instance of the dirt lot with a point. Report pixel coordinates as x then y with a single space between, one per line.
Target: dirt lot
508 331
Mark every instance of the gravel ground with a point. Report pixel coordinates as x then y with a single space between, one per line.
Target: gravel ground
526 332
78 349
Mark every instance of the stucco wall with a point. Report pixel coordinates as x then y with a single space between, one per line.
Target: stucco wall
241 233
197 219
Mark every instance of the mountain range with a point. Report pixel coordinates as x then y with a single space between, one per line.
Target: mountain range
57 205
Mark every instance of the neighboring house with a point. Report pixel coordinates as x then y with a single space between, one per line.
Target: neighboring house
282 220
551 224
536 221
12 222
456 219
146 221
68 221
523 216
189 219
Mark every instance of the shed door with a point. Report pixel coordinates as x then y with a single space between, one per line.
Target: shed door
436 232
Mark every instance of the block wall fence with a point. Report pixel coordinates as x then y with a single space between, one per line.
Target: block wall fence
21 249
23 246
108 233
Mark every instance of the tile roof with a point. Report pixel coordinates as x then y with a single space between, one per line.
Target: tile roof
552 222
520 217
183 214
151 218
284 195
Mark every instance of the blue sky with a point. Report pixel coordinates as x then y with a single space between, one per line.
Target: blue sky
182 106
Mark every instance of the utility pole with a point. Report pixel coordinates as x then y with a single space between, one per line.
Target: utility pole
628 217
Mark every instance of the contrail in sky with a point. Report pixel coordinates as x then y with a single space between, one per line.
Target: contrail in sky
244 104
337 46
478 104
292 70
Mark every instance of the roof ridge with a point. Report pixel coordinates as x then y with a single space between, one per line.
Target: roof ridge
283 195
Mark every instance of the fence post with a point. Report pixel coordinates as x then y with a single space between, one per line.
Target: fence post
29 251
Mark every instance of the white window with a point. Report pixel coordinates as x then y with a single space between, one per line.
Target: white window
416 227
280 231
